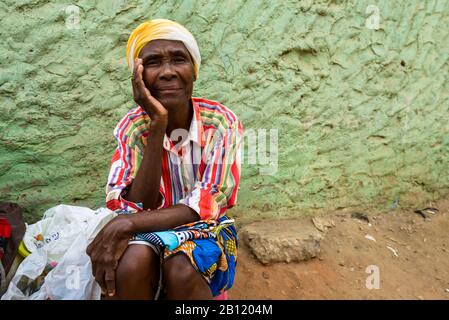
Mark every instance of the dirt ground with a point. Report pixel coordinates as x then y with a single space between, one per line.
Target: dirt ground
419 271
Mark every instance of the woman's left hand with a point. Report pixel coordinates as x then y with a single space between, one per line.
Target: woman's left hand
106 250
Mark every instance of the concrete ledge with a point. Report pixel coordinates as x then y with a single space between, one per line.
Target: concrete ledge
282 241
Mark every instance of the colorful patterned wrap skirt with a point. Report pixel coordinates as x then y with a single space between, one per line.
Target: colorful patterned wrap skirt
211 247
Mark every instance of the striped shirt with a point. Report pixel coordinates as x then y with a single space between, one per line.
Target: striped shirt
201 171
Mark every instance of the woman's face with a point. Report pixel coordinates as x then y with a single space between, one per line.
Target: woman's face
168 72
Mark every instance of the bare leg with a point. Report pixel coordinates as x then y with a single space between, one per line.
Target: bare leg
137 275
182 281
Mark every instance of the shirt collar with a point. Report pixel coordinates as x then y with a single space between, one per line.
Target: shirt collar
195 131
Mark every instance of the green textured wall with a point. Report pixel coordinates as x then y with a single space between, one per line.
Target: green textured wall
361 114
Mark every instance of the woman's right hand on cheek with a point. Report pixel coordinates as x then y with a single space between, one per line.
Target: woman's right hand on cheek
142 96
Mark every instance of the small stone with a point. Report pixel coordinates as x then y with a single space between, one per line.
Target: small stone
266 275
360 216
323 224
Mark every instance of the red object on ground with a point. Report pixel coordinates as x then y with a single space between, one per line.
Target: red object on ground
222 296
5 234
5 228
12 229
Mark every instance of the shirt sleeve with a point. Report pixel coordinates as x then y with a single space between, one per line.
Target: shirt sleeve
121 174
216 190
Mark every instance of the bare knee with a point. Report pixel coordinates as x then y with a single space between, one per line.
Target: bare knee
138 268
179 274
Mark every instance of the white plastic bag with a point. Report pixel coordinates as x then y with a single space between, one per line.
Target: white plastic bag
58 246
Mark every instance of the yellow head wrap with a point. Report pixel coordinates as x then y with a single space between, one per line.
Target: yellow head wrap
161 29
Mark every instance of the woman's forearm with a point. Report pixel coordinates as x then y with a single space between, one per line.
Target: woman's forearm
145 186
161 220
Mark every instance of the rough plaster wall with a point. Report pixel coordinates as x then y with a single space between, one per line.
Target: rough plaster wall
361 114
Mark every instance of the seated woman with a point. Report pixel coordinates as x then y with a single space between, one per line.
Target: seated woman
177 162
